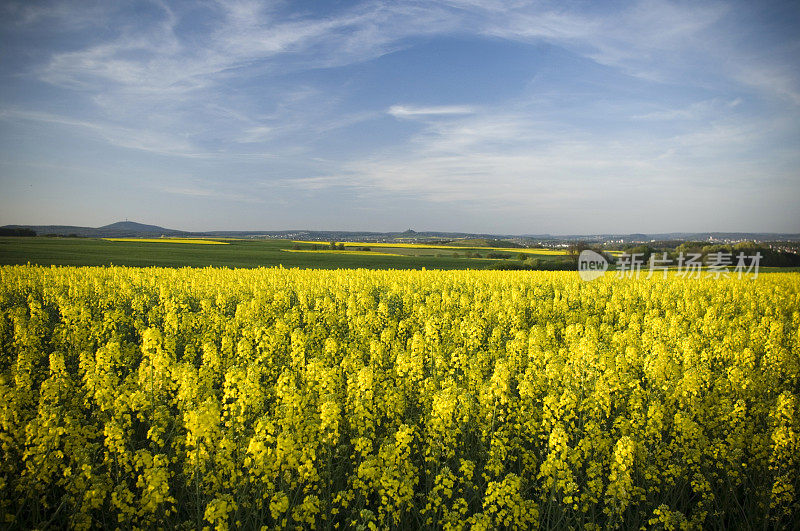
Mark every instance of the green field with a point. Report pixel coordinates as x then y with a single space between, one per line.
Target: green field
238 253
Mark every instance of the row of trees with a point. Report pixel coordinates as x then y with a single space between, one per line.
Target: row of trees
7 231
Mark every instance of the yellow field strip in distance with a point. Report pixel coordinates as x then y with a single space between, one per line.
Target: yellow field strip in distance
167 240
348 253
517 250
387 245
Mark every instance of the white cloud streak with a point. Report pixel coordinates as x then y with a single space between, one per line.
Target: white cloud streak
411 111
509 163
154 70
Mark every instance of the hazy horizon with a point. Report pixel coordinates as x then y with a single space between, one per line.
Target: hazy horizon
304 229
451 116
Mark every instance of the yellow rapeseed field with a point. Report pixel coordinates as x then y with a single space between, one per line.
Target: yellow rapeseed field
510 250
199 241
355 399
328 251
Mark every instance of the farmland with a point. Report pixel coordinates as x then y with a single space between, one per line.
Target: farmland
194 241
185 252
288 398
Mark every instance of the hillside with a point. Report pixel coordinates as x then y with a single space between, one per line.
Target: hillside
120 229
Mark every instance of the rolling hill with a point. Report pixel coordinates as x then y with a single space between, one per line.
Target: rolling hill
120 229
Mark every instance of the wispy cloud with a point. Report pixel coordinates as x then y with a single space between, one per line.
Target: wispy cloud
136 138
159 69
202 188
770 79
511 163
410 111
133 138
210 193
256 134
245 35
701 110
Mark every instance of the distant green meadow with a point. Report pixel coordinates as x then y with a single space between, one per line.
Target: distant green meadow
57 251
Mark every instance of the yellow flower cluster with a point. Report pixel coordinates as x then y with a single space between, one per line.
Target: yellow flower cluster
274 398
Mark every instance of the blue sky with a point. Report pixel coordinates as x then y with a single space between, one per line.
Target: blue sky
481 116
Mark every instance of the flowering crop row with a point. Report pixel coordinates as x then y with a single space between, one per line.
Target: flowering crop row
385 399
